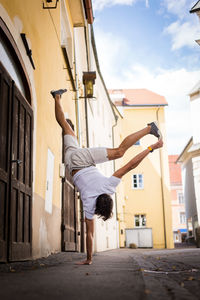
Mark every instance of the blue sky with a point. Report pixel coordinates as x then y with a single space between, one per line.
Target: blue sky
150 44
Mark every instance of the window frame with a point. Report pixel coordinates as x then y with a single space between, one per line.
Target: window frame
140 217
137 178
180 193
181 215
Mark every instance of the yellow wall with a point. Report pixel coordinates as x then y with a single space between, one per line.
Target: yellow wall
148 200
49 74
42 29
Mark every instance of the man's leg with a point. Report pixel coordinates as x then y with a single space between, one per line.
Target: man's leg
127 143
60 117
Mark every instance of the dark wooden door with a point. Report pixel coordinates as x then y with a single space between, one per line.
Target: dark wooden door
70 241
5 135
16 177
69 215
21 178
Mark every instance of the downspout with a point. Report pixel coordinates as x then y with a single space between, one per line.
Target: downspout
114 166
85 98
114 169
78 126
162 186
87 142
78 123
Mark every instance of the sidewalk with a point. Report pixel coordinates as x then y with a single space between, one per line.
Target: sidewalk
117 274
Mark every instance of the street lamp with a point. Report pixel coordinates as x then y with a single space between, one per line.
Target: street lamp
88 81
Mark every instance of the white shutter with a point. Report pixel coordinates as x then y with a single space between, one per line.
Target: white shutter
49 181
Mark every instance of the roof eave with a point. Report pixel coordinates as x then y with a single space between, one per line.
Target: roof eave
193 10
179 158
144 105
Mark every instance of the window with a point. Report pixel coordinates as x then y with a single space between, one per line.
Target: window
66 33
180 197
182 218
140 221
138 183
137 143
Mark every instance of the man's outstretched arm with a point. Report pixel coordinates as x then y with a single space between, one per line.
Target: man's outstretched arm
133 163
89 241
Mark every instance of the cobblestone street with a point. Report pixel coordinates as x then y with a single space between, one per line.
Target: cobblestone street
116 274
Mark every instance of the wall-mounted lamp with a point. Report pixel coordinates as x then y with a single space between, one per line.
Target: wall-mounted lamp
88 81
50 7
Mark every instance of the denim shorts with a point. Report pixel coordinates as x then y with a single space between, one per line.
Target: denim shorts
79 158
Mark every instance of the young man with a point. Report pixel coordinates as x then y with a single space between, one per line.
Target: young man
96 189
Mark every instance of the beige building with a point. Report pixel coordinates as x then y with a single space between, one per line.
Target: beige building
178 203
144 212
43 46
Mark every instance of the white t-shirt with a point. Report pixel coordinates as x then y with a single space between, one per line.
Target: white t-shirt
91 183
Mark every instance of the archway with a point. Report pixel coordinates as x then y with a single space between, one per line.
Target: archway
16 128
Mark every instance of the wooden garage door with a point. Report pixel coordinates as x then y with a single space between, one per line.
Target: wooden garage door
69 215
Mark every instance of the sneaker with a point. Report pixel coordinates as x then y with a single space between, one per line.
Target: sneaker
155 130
58 92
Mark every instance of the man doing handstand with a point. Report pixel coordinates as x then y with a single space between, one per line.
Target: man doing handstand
96 189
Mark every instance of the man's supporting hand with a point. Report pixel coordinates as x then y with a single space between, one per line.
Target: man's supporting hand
85 262
89 242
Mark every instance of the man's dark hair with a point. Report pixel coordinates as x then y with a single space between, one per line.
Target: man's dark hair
104 206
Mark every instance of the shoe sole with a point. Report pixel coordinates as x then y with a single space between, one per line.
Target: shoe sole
58 92
158 131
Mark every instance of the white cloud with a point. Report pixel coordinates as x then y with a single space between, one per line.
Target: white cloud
183 34
174 84
186 29
100 4
111 49
179 8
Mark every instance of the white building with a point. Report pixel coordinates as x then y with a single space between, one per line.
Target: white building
190 159
99 121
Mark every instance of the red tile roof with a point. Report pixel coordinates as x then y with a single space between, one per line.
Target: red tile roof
174 170
137 97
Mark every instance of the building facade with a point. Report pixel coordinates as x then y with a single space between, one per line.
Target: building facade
178 203
145 211
190 158
190 164
47 45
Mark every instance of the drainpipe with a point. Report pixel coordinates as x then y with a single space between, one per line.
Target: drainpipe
78 125
86 119
162 185
87 141
114 165
114 168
